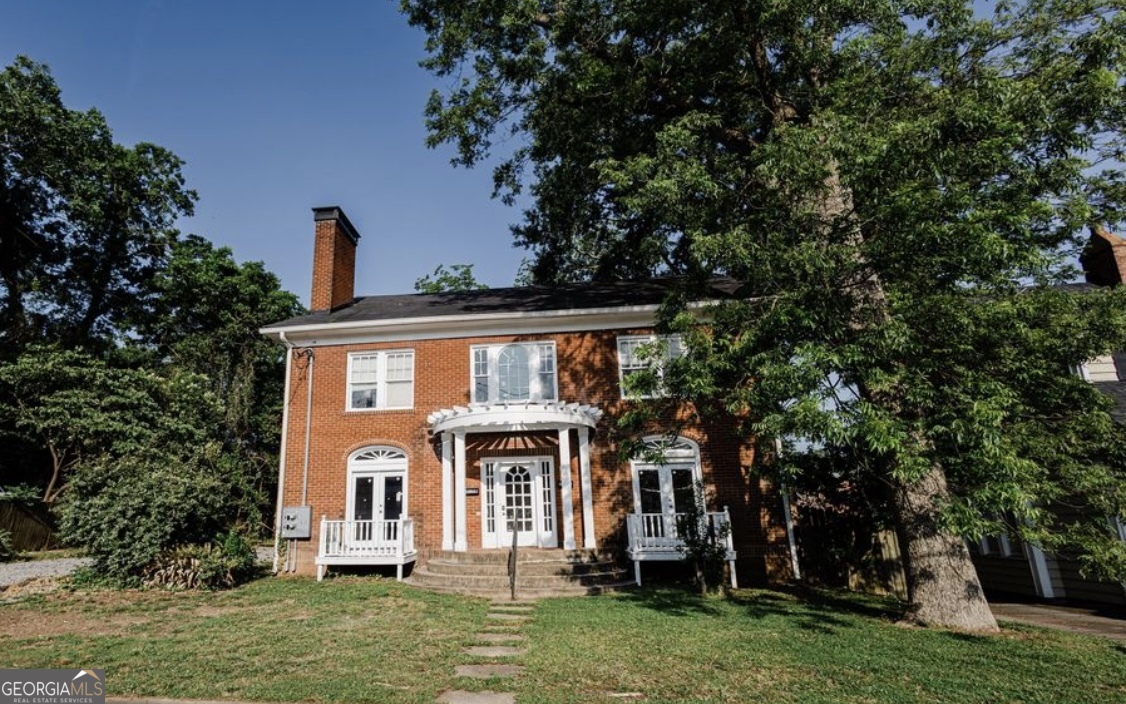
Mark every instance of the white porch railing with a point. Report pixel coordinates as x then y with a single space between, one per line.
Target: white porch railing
366 543
654 536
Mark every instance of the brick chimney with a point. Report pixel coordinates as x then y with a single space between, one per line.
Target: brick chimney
334 259
1104 258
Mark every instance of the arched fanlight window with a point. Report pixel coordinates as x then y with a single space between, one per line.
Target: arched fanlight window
513 378
379 455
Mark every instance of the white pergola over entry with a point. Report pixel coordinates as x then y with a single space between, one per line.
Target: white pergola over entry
453 424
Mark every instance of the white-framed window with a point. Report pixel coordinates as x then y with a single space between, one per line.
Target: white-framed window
1101 368
642 353
380 380
521 371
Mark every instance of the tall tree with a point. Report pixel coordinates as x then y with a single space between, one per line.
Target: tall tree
456 278
84 222
886 179
203 318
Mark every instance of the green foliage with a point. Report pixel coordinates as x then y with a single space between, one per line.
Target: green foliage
134 386
898 187
222 565
7 550
20 493
84 221
126 512
456 278
164 432
704 543
204 318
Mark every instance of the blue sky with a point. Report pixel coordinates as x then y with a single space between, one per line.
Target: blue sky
278 107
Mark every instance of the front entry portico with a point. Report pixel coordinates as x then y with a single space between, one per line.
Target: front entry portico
517 489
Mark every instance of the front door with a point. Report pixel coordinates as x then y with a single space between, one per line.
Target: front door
663 493
520 498
377 507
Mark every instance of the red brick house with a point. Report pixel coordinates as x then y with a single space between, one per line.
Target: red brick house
422 428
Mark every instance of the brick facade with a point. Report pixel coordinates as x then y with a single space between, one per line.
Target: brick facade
317 446
587 373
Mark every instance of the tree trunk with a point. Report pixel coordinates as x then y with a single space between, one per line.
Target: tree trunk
942 582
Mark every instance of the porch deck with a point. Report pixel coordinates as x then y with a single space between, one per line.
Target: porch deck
346 542
655 537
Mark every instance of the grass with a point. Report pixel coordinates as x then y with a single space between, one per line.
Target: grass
55 554
367 640
775 647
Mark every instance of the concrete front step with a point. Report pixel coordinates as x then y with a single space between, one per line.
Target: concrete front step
539 568
540 572
423 577
522 555
533 593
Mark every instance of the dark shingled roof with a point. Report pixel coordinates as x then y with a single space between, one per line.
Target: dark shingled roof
527 299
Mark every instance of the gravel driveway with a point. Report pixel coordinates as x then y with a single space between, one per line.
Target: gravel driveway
16 572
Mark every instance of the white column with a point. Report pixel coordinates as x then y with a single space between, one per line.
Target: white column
447 492
567 500
588 489
460 545
1041 577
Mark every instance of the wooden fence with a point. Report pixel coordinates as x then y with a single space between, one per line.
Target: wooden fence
29 531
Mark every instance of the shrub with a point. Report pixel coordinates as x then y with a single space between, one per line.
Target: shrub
212 566
127 512
705 546
7 552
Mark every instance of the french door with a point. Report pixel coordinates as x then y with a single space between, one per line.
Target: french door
377 506
519 497
662 494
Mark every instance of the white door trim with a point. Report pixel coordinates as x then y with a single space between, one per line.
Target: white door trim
494 533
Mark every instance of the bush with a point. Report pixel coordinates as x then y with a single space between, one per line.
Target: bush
213 566
705 547
7 552
128 512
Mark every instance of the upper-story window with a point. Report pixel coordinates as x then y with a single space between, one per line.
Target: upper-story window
1101 368
522 371
381 380
643 353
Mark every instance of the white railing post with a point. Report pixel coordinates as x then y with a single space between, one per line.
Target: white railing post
730 543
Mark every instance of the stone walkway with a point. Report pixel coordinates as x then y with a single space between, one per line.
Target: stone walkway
499 644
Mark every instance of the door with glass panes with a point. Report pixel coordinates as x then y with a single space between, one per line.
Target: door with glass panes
520 498
377 507
662 494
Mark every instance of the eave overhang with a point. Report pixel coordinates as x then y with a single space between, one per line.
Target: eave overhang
472 325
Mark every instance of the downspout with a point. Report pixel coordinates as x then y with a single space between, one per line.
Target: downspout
789 516
308 428
308 352
281 453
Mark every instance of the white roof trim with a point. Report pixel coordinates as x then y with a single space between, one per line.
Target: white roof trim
474 325
510 416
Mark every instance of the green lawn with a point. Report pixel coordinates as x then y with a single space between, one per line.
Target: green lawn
369 640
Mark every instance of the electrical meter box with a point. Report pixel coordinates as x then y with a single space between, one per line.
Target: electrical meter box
296 523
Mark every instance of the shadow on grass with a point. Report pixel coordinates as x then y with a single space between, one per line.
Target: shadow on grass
819 610
673 601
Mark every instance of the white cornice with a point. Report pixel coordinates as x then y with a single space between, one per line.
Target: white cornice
471 325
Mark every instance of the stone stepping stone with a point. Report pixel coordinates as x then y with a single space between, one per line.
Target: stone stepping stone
495 651
499 637
496 616
484 672
523 608
457 696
